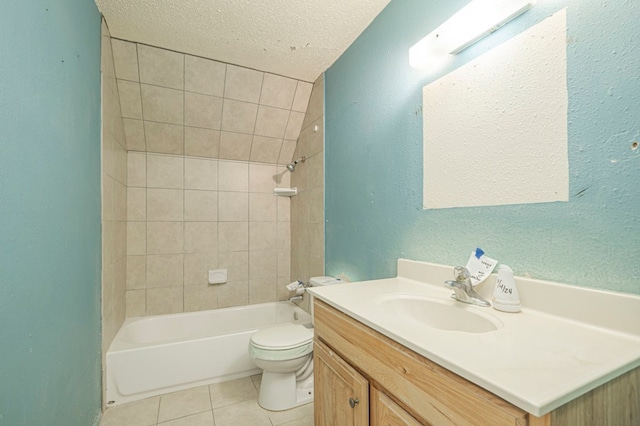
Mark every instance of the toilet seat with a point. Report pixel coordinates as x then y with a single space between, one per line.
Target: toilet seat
281 343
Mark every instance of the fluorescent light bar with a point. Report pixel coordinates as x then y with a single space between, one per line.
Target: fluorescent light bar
473 22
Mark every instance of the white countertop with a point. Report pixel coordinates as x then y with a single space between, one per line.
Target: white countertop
536 360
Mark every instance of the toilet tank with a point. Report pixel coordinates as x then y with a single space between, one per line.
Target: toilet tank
320 282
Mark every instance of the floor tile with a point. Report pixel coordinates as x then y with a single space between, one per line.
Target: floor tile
138 413
184 403
287 416
305 421
257 380
232 392
244 413
201 419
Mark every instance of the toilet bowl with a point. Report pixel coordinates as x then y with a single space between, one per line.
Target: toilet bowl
284 353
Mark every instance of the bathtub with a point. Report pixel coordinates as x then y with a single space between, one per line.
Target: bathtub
165 353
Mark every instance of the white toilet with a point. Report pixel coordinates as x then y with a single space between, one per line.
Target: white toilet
285 354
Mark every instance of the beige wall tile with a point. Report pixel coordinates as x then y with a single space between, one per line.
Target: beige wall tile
316 205
136 272
108 196
239 117
162 105
130 102
134 133
316 266
136 169
243 84
316 239
164 237
166 300
135 304
200 298
235 146
136 238
136 204
271 122
201 142
233 236
200 237
281 288
164 171
283 235
283 177
164 270
197 266
278 91
262 178
164 138
262 291
236 263
200 206
204 76
294 125
286 153
234 206
233 176
263 207
120 201
233 293
263 265
262 235
284 263
125 58
202 110
301 99
161 67
164 204
315 109
200 174
316 139
284 209
265 150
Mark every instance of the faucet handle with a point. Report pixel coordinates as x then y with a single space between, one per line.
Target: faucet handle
462 275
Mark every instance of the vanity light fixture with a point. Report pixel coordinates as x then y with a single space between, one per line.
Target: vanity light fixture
470 24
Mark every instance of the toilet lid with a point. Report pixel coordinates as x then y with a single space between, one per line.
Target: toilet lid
282 337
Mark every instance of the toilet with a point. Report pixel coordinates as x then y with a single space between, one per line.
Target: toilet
285 354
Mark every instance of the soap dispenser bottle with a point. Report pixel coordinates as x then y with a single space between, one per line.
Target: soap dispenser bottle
505 295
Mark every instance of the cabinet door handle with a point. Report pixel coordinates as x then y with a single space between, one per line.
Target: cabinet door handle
353 402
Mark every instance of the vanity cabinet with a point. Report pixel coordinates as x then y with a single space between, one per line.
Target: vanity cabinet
340 389
396 386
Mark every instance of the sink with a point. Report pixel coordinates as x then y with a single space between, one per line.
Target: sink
442 314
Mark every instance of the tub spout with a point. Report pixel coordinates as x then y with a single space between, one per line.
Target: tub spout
295 299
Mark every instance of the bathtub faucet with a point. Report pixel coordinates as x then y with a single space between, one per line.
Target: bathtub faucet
295 299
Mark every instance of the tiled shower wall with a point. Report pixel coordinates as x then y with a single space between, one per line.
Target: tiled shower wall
188 215
307 208
208 143
114 200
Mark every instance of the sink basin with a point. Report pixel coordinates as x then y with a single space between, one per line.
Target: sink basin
439 313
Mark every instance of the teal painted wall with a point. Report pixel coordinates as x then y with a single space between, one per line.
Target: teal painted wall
373 149
49 212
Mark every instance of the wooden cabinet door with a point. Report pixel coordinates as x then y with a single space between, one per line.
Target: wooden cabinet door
341 393
385 412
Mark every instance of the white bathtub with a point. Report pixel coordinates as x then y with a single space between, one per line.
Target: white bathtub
165 353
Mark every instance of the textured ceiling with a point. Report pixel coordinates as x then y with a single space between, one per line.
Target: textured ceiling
293 38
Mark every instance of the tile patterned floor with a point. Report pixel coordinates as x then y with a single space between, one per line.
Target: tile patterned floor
233 403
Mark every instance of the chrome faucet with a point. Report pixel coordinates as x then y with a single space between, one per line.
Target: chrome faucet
463 288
